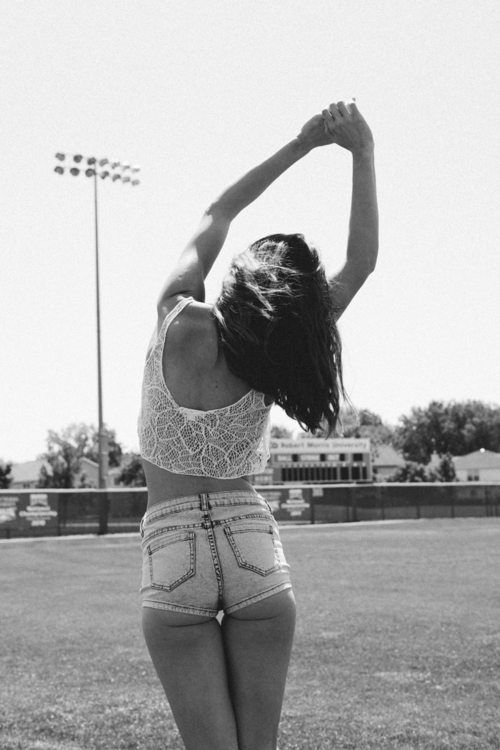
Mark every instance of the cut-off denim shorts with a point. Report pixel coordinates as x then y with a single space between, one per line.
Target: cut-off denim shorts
210 552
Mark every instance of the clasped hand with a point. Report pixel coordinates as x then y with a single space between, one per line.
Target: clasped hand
342 123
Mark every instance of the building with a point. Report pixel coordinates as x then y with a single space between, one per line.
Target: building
26 475
317 460
88 474
386 461
479 466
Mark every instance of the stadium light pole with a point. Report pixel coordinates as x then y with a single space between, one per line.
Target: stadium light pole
117 172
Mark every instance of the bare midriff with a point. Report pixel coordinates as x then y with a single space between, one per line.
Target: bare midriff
165 485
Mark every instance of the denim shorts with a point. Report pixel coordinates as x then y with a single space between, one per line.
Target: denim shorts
210 552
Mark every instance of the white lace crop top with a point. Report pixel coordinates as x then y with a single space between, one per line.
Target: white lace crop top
224 443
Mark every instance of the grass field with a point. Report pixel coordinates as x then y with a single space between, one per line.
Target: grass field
397 642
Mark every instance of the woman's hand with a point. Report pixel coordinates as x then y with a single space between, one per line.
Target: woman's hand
342 123
314 133
347 127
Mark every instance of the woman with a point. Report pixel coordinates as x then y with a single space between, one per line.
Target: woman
210 542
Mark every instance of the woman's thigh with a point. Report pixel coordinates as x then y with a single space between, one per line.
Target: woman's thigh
188 654
257 644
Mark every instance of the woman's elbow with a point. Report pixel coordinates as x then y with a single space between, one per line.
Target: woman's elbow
371 258
373 264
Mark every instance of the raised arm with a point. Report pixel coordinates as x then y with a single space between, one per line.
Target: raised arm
188 276
347 127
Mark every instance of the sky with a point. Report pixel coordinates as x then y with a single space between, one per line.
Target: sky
197 93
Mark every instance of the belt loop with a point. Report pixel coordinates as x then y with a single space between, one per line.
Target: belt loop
203 500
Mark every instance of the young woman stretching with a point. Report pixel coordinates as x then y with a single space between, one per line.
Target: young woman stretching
210 542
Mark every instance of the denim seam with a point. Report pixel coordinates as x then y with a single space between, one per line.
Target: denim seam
215 555
184 536
166 529
219 503
171 511
184 609
250 516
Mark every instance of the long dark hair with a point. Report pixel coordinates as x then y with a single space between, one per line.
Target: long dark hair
276 324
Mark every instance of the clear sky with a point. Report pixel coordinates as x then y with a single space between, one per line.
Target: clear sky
197 93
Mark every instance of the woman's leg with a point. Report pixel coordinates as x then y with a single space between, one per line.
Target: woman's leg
187 652
258 643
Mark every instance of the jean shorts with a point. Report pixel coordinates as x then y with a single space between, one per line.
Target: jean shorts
210 552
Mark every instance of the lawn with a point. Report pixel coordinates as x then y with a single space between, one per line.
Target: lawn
397 643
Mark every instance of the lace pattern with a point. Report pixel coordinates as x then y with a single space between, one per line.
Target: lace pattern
221 443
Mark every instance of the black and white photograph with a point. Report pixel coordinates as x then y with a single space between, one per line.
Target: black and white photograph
250 413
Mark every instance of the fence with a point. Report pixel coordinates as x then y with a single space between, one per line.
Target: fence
60 512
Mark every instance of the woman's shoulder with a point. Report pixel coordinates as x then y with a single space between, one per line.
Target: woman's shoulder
185 309
193 330
192 312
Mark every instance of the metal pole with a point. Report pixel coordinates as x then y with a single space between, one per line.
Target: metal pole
102 478
116 170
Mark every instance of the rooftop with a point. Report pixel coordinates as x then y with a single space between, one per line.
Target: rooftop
481 459
29 471
386 455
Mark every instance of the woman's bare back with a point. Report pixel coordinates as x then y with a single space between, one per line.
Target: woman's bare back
197 376
194 367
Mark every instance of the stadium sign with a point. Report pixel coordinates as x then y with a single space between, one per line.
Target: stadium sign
318 445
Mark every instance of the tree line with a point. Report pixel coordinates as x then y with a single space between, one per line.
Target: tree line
446 429
442 429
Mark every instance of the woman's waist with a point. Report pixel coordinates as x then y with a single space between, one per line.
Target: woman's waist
164 485
196 510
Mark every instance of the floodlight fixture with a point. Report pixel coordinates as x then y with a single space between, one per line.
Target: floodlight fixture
122 170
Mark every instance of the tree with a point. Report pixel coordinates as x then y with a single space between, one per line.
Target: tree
65 449
445 471
456 428
361 423
132 473
5 479
366 424
411 472
416 472
277 431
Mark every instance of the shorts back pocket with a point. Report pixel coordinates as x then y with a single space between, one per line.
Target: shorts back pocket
172 559
253 545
